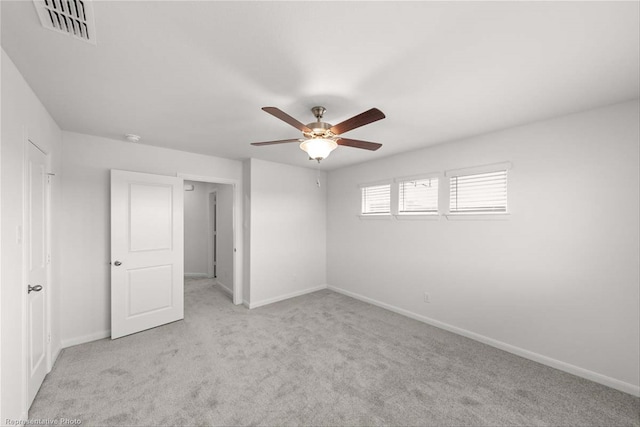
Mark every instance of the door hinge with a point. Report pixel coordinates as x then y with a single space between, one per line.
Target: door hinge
48 258
49 337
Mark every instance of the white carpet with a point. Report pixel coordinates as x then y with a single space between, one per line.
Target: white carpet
318 359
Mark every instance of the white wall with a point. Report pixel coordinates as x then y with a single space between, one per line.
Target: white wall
86 164
1 235
225 235
23 117
196 229
558 281
288 231
246 231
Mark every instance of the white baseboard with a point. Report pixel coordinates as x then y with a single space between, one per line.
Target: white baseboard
286 296
224 287
557 364
85 339
197 275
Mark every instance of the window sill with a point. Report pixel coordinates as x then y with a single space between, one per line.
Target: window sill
478 217
419 217
375 216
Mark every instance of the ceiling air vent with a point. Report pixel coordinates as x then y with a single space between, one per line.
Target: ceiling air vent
71 17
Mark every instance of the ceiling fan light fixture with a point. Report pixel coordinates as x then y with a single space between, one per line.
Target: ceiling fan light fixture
318 148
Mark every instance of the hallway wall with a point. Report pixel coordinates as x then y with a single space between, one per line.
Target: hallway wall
196 229
197 237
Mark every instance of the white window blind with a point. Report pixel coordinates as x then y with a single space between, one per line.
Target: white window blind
419 196
479 193
376 199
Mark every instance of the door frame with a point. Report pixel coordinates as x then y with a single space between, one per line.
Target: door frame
237 229
211 248
25 267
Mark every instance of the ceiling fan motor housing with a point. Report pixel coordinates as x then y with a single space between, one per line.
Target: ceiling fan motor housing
318 129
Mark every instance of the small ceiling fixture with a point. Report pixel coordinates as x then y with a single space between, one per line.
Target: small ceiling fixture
132 138
321 138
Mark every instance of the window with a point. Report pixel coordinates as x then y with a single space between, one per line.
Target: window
479 193
376 199
419 196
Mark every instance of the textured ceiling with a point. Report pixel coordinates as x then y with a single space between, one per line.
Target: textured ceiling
193 75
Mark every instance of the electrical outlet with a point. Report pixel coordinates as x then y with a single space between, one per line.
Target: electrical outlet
426 298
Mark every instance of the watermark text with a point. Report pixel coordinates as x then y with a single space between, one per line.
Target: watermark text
44 422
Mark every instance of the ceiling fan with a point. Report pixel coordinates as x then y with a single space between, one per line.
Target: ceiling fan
321 138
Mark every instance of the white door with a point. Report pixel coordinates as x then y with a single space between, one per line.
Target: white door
147 260
37 270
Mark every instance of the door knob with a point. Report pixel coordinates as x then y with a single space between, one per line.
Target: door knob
117 263
36 288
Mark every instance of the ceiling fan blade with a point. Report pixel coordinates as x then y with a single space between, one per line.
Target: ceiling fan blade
373 146
276 112
282 141
361 119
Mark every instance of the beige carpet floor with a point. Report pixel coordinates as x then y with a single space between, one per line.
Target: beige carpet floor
319 359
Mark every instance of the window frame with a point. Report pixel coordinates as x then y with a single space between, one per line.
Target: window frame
381 215
418 215
489 216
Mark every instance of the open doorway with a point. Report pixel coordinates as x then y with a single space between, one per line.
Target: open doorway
209 235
